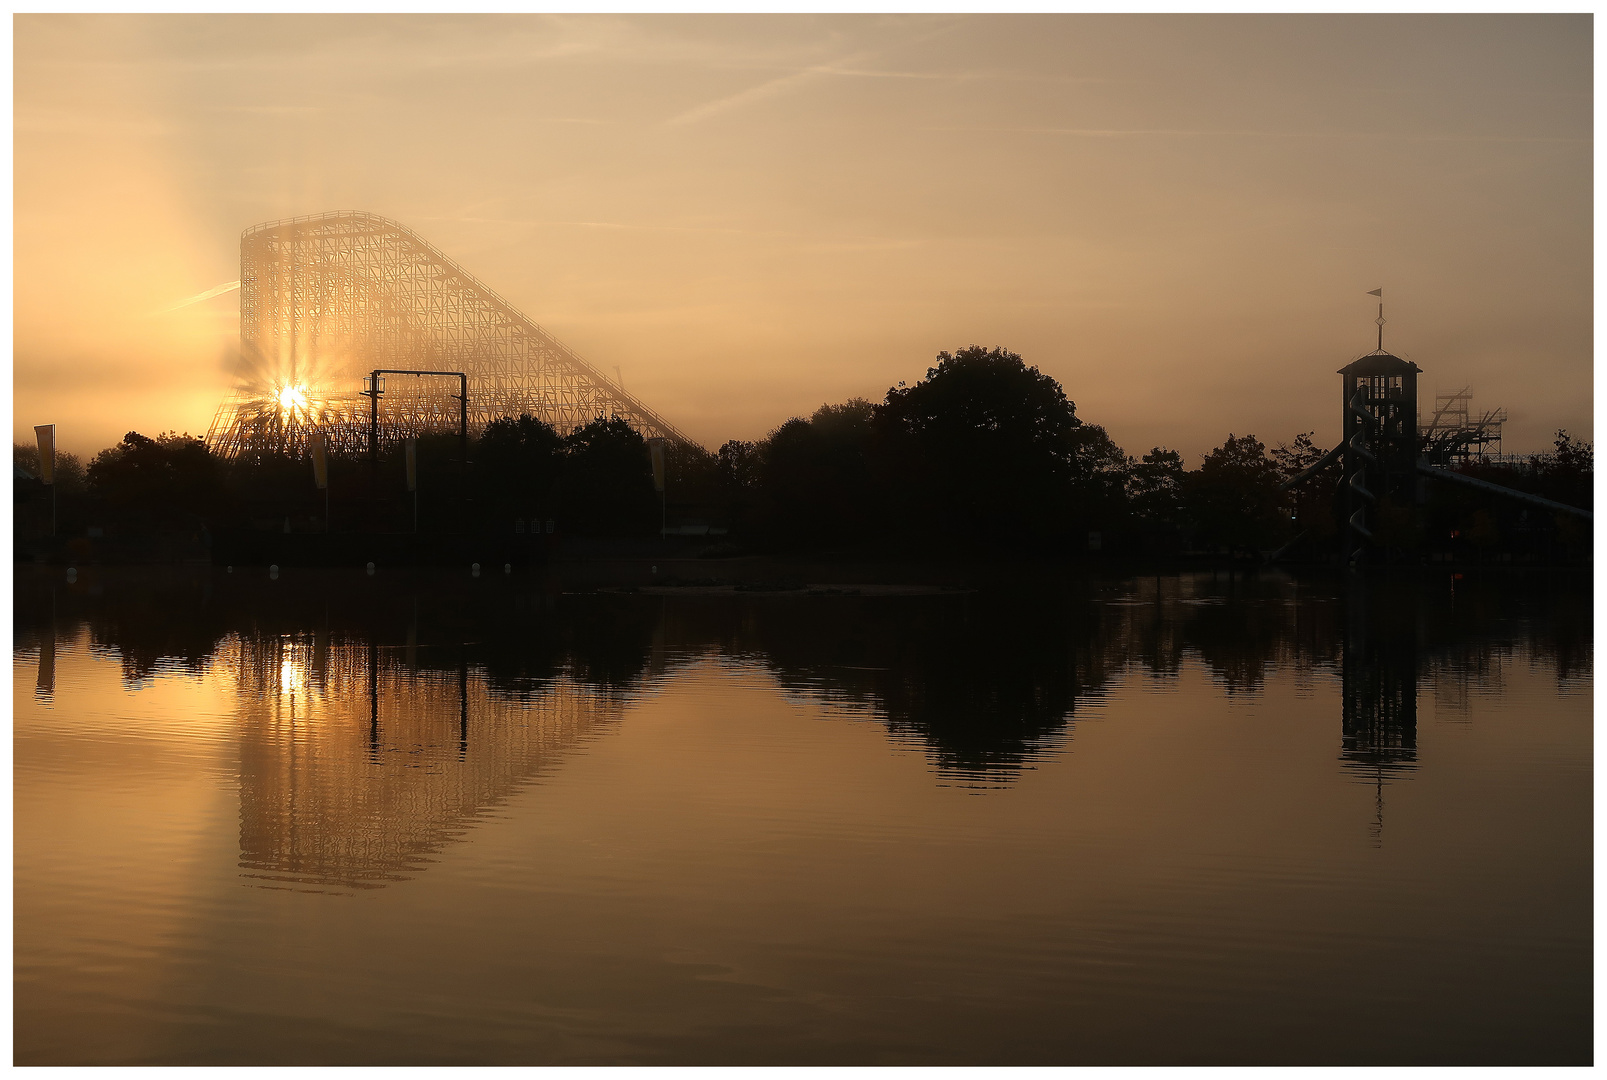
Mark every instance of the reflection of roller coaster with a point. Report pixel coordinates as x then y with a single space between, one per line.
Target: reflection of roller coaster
357 768
326 299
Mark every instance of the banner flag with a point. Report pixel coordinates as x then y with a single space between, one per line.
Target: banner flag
656 448
320 461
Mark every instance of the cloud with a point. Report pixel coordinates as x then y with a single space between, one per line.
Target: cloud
1104 133
216 290
744 97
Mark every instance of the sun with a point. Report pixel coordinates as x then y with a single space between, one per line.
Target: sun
293 398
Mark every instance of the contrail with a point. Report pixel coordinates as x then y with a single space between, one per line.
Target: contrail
216 290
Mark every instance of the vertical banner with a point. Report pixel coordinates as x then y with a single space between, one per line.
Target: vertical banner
320 461
412 464
656 448
46 434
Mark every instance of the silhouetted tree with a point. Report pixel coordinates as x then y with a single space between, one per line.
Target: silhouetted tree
812 477
517 463
1155 496
737 465
1312 501
168 478
983 448
70 476
694 489
1295 458
1569 475
1233 498
1098 489
606 487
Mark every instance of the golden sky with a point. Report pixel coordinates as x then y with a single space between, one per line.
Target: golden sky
1178 217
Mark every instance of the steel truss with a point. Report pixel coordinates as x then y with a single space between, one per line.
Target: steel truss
1454 436
326 299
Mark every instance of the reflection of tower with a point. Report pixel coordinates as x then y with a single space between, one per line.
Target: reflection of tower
355 768
1379 721
45 685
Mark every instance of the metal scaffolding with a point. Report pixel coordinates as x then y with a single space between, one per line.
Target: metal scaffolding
1455 435
328 298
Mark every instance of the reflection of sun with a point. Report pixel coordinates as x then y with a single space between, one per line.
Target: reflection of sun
292 676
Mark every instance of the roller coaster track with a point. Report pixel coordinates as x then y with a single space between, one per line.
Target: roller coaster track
327 298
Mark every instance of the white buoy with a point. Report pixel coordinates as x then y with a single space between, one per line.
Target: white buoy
273 571
474 569
507 568
655 569
72 573
370 569
229 570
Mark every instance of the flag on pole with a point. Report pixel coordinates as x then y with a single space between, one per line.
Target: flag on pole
46 434
1379 292
412 464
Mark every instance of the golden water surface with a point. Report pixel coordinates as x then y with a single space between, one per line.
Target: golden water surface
432 819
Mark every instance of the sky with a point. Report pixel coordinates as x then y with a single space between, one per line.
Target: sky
1177 217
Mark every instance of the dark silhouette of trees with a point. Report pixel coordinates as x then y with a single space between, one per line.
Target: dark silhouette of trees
1155 498
983 449
1312 502
737 478
1474 524
156 481
1100 472
1569 475
70 475
985 455
808 481
606 484
1233 498
517 464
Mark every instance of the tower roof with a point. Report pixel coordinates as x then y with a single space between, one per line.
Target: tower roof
1379 363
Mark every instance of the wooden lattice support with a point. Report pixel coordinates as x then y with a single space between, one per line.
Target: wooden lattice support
328 298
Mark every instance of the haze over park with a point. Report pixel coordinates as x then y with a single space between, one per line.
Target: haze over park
1177 218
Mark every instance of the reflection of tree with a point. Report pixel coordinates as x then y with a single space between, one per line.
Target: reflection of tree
984 682
1240 626
164 618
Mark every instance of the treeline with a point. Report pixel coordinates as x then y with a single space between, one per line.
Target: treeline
597 480
988 454
983 455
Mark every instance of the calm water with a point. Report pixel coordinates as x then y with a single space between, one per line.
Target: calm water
333 818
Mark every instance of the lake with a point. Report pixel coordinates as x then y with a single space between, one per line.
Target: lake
430 817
